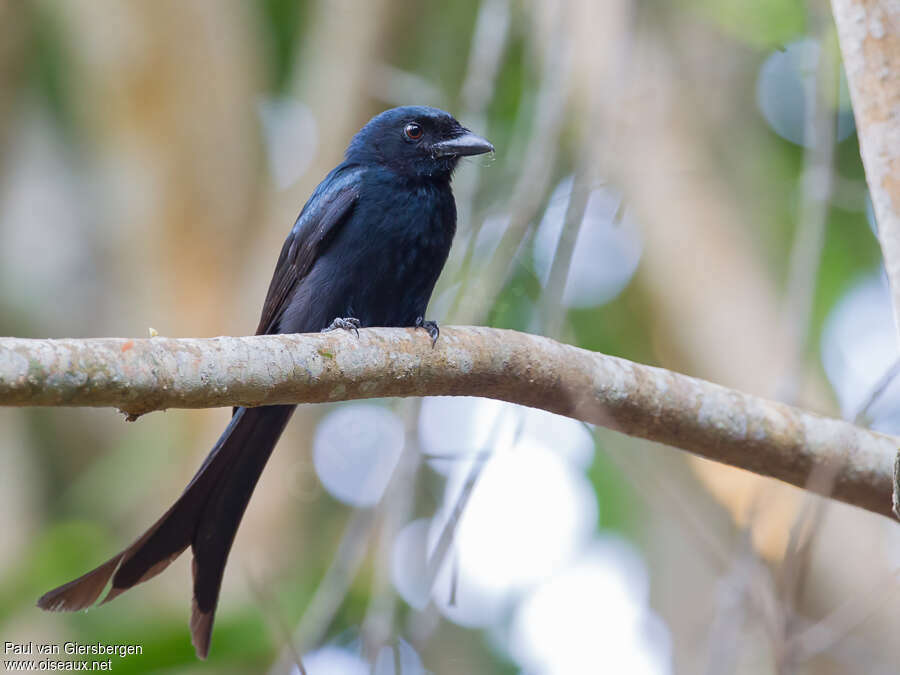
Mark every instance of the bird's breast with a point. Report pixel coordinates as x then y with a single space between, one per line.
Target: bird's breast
402 245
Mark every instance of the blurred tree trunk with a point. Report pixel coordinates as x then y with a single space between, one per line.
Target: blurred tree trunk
713 299
167 95
713 304
14 33
164 96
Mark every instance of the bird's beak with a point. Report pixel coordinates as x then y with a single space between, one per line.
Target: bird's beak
467 144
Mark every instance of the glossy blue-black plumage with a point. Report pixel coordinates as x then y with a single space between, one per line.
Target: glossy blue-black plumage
382 263
369 244
392 220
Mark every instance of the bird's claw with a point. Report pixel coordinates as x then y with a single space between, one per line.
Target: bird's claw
431 326
346 323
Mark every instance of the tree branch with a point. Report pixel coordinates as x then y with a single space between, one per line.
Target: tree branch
870 46
142 375
869 33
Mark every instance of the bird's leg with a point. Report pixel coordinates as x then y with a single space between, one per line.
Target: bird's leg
347 323
431 327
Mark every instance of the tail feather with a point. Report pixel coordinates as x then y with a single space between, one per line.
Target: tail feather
81 592
206 516
222 513
201 621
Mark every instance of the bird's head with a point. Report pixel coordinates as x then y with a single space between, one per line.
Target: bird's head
416 142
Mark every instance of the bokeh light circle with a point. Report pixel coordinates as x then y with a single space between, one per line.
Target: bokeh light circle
355 450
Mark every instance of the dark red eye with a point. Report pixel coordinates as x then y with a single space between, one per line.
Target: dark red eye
413 131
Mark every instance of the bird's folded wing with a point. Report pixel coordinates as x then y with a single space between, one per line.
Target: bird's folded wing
315 228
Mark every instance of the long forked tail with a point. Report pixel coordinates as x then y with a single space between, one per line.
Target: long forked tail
205 517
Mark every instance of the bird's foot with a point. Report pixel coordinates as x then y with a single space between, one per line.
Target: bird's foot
346 323
431 327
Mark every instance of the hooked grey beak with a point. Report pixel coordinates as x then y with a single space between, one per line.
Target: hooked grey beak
467 144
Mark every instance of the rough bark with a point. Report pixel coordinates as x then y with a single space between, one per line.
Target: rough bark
869 33
142 375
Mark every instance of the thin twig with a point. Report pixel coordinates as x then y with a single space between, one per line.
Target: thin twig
535 173
396 506
820 86
666 500
876 392
333 588
798 554
445 540
802 536
489 39
822 635
488 46
270 607
730 610
553 299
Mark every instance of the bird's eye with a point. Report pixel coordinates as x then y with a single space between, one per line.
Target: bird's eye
413 131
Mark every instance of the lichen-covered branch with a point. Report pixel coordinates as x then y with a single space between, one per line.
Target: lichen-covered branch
142 375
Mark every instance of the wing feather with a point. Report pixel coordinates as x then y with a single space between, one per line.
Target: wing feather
315 228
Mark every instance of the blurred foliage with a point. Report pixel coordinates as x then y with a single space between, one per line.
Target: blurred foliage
766 24
438 55
620 509
48 56
50 556
283 22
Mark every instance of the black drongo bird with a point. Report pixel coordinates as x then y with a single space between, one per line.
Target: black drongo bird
366 250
